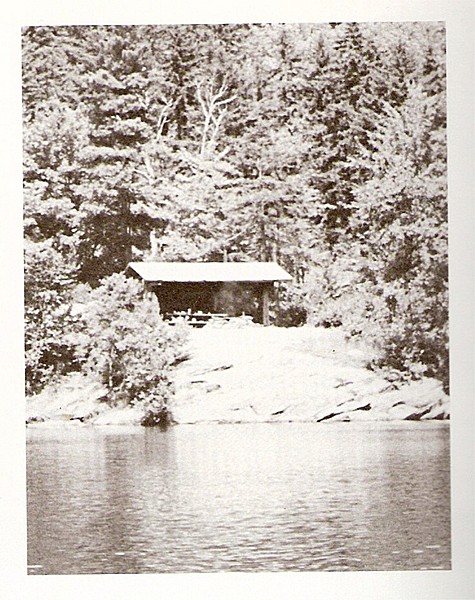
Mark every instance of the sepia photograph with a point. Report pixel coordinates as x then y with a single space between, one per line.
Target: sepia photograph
236 299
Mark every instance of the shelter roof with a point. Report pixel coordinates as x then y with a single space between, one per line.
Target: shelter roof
188 272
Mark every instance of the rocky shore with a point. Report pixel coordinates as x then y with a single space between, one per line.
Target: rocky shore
238 374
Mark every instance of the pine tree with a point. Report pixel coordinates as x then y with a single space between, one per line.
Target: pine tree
111 196
348 117
54 59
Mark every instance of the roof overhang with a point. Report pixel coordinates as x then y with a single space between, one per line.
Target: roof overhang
209 272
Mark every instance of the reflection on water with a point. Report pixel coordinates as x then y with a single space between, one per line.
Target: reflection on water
258 497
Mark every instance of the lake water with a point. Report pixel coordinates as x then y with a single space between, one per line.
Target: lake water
257 497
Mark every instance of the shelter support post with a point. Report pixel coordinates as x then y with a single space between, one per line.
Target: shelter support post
265 303
148 290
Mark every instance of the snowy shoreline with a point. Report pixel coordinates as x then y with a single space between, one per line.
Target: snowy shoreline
259 374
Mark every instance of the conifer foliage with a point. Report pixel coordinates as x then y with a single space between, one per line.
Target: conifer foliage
321 146
122 339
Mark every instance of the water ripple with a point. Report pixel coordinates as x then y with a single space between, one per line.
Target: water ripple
296 497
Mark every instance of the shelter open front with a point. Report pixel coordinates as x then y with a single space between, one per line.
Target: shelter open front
209 289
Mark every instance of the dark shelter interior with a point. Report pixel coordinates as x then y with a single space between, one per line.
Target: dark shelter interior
229 298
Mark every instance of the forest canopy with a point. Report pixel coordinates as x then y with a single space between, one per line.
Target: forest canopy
320 145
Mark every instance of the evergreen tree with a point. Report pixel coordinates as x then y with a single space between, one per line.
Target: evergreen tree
52 145
54 59
402 223
321 146
48 321
110 196
348 117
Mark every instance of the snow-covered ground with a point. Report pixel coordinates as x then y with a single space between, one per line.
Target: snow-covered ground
240 373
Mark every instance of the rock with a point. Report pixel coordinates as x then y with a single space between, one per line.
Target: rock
119 416
279 412
84 418
35 420
438 412
392 376
416 416
420 394
212 387
400 411
359 415
331 415
354 404
382 403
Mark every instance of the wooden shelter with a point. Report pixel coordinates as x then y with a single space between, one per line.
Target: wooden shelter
204 290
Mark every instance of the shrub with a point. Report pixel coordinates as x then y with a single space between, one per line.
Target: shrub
403 319
48 284
125 342
289 311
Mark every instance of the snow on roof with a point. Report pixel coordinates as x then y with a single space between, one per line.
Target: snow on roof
187 272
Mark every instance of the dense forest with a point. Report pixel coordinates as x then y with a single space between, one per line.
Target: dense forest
322 146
